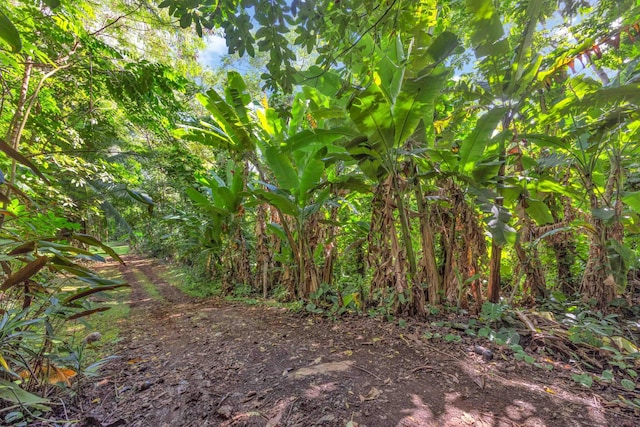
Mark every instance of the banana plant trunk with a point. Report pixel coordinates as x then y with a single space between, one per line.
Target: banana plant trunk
428 261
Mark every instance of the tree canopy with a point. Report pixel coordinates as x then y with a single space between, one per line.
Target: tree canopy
434 153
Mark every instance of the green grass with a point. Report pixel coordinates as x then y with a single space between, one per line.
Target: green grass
118 247
196 286
108 323
148 286
186 281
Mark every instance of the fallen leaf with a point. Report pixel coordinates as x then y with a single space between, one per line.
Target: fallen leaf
373 394
468 418
53 374
480 381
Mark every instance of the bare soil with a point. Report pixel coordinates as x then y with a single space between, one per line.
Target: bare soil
189 362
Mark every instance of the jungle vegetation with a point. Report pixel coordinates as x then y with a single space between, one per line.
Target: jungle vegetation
383 157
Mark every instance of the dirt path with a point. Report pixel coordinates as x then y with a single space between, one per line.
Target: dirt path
187 362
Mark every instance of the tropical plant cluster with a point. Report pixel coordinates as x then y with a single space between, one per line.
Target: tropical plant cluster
435 154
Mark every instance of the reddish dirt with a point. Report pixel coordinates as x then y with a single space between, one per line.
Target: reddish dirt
188 362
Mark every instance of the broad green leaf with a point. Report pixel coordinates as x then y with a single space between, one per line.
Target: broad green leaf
349 182
223 197
236 93
523 51
228 120
277 230
442 47
633 201
197 197
235 177
629 92
280 164
604 214
9 33
390 69
540 212
546 185
486 25
326 82
52 3
372 114
13 393
321 136
280 201
474 145
414 103
311 175
542 140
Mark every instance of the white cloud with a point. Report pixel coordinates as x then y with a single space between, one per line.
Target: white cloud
216 46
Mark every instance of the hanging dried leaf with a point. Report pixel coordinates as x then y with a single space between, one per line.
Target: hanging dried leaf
23 248
9 151
24 273
90 291
87 313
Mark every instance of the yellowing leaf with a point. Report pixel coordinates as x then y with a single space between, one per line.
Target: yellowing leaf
441 125
348 353
61 375
52 374
625 344
4 363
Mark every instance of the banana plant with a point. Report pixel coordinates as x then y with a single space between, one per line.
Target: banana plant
394 114
296 195
599 144
288 161
222 202
486 162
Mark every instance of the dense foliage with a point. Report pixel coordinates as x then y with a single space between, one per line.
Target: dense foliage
436 154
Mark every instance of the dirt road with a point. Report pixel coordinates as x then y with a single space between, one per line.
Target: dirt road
187 362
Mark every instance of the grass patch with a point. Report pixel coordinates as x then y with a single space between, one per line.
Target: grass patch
119 247
191 284
148 286
108 323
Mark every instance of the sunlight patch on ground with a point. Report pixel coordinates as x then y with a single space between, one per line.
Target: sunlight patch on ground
323 368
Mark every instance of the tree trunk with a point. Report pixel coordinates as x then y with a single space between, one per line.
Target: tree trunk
428 262
493 293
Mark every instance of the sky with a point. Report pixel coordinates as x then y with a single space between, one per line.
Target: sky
216 47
